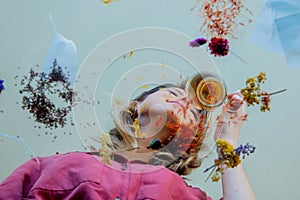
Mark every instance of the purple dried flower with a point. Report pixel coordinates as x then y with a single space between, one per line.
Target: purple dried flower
1 85
245 150
198 42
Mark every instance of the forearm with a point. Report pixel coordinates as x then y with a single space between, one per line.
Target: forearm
236 185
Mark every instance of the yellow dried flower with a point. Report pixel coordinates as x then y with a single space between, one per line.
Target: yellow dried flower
224 146
106 2
227 154
106 151
228 158
250 80
261 77
254 95
137 131
216 177
129 54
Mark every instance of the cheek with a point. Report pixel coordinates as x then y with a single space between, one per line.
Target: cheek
154 111
153 121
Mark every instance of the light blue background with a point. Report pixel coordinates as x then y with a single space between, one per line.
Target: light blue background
26 34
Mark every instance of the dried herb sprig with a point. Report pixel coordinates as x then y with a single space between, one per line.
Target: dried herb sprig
228 158
254 95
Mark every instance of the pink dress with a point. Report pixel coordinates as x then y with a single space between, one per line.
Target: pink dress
83 176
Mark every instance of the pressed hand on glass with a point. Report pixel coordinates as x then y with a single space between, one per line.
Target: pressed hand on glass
231 119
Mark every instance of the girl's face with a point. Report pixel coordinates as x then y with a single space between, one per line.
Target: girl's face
164 109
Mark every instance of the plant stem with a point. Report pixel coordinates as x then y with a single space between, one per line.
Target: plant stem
210 173
239 57
278 92
207 169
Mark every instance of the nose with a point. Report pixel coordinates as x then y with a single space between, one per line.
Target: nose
185 106
189 107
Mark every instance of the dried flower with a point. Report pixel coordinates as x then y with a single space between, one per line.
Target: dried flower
129 54
218 46
265 101
254 95
57 75
223 17
136 126
227 154
37 92
245 150
106 150
228 157
1 89
1 85
198 42
106 2
216 177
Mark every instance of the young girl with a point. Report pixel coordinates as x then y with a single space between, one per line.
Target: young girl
157 138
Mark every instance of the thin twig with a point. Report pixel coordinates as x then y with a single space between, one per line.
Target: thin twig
212 171
278 92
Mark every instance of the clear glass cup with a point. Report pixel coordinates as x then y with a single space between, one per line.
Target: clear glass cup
205 91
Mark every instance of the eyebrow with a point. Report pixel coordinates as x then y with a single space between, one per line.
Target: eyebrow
145 94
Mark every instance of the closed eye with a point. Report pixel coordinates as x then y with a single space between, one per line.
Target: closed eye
176 92
196 113
173 93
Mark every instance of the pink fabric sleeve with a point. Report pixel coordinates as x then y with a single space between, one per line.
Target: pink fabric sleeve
165 184
199 193
20 181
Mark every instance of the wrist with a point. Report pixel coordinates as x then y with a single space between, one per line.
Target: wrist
227 154
229 140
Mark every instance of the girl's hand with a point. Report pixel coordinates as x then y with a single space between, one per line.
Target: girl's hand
231 119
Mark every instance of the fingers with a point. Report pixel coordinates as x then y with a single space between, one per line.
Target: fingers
236 100
231 119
